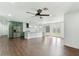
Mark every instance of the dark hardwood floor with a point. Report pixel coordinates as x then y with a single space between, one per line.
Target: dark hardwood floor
48 46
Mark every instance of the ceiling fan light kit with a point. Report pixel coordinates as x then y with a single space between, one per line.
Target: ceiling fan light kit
39 13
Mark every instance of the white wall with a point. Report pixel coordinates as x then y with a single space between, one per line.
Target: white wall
62 29
24 27
4 26
72 29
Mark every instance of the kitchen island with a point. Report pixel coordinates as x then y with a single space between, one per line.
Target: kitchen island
29 35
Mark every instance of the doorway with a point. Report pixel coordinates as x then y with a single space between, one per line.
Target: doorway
15 29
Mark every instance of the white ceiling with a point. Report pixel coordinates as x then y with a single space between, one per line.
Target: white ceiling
17 10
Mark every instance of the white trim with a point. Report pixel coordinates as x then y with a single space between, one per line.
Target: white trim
71 45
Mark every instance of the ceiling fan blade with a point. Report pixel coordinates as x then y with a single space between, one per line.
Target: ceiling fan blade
31 13
44 15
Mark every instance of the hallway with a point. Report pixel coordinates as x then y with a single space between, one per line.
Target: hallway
50 46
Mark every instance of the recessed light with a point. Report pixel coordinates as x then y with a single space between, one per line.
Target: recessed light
9 15
12 2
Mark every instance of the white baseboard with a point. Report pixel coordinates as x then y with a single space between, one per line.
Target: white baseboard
71 45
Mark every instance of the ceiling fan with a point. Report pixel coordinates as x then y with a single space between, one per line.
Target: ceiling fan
39 13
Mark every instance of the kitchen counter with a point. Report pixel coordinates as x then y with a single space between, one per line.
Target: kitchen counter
29 34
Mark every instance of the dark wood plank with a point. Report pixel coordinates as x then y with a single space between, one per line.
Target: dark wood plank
48 46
